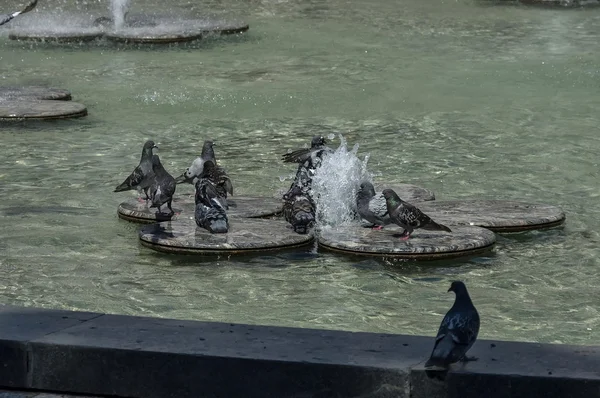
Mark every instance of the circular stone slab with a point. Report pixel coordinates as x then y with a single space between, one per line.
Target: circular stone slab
40 109
225 27
149 35
34 93
422 245
245 235
59 36
239 207
496 215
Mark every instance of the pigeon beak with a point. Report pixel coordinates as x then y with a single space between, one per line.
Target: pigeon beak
155 146
450 290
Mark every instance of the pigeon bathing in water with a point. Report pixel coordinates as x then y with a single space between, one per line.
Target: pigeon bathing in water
457 333
8 17
192 173
369 208
317 150
408 216
163 186
210 212
299 210
142 176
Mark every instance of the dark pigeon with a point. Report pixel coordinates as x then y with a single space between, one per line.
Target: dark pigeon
457 333
369 208
408 216
210 212
163 186
316 151
142 176
299 210
192 173
5 18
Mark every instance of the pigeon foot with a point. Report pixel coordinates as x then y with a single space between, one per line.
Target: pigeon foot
378 227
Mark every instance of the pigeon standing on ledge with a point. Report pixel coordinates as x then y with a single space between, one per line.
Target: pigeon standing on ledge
142 176
163 187
369 209
457 333
408 216
8 17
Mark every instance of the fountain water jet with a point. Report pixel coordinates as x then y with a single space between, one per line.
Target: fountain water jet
119 9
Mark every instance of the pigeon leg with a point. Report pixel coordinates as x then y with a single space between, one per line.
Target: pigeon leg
377 227
405 235
170 208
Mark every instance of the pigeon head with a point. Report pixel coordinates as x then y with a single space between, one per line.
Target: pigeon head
317 140
366 190
148 147
390 195
458 287
207 150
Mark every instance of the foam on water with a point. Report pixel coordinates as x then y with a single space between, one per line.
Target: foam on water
335 184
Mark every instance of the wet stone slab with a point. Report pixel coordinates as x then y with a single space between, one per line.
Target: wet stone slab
64 35
37 394
246 235
149 35
422 245
34 93
496 215
239 207
40 109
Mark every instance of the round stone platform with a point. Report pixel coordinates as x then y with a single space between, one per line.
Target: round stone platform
422 245
246 235
34 93
150 35
74 35
239 207
496 215
40 109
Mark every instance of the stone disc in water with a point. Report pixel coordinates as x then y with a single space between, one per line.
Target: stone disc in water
40 109
225 27
496 215
34 93
150 35
58 36
239 207
245 235
422 245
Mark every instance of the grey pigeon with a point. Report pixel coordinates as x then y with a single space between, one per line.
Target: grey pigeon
457 333
371 209
163 186
191 174
316 151
5 18
299 210
210 213
142 176
408 216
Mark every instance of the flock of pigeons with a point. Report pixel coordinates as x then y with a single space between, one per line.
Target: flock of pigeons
299 206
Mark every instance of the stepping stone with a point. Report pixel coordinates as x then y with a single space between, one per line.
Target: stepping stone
151 35
184 207
70 35
40 109
422 245
496 215
34 93
246 235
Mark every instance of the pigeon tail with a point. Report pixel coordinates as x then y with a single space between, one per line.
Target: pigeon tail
434 226
213 219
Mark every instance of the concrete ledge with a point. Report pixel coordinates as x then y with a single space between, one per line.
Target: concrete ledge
97 354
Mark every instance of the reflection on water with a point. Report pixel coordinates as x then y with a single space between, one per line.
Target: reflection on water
463 98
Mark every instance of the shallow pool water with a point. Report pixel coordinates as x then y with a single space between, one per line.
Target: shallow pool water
466 98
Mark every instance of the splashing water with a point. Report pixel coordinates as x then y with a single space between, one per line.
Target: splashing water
119 8
335 184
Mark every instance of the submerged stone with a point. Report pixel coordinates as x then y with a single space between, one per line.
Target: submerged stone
40 109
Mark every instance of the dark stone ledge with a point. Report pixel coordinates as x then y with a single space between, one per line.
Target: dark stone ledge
113 355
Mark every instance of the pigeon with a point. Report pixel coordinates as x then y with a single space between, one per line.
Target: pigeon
408 216
8 17
369 207
142 176
163 186
191 174
299 210
457 333
316 151
210 213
